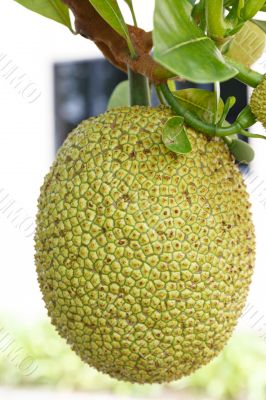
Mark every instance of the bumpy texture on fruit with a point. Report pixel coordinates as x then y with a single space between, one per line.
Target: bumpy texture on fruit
258 102
144 257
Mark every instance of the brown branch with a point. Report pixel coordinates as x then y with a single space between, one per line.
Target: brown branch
92 26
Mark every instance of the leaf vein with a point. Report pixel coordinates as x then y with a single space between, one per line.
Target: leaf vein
188 42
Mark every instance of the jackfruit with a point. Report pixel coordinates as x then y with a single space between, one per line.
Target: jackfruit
258 102
144 257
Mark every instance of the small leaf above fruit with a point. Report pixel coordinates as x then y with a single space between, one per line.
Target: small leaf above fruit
120 96
201 102
175 136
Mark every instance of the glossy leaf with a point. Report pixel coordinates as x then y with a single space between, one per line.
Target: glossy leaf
181 46
129 3
230 102
110 12
53 9
201 102
171 84
120 96
175 136
251 8
248 44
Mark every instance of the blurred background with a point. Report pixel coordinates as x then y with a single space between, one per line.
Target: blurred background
49 81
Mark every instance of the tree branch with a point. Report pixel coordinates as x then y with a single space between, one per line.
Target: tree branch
92 26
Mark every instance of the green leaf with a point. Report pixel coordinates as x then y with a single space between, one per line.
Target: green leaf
181 46
120 96
110 12
248 44
230 102
251 8
129 3
171 84
241 150
201 102
53 9
175 136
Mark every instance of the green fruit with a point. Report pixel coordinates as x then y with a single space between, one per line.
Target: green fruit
258 102
144 257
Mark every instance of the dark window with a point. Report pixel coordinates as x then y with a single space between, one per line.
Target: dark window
82 90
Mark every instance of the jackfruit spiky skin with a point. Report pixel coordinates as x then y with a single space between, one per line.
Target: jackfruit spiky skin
144 256
258 102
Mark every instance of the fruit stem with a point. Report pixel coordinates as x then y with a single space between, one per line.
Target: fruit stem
209 129
216 25
139 89
160 95
227 140
252 135
245 74
246 117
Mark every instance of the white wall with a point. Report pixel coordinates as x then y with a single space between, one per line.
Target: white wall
32 43
256 181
